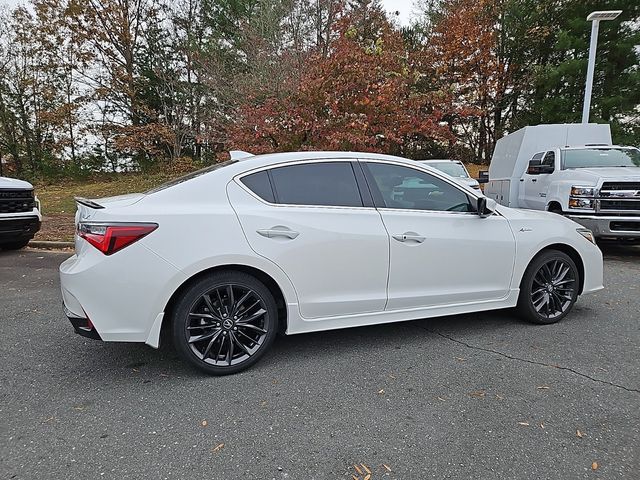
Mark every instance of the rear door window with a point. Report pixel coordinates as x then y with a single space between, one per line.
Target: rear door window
318 183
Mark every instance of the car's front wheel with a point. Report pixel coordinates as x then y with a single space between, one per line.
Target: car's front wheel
224 322
549 288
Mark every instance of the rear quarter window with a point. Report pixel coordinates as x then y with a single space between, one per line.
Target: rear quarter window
260 184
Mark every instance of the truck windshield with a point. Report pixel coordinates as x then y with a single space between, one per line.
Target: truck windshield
453 169
601 157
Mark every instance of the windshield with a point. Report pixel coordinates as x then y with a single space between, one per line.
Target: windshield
454 169
191 175
601 157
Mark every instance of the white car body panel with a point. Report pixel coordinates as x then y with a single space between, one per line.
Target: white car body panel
325 284
349 245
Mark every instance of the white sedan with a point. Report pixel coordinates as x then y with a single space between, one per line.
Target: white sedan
303 242
454 168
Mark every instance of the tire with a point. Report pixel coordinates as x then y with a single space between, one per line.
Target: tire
14 245
549 288
225 322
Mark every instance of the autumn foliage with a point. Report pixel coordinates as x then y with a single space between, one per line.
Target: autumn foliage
361 96
90 85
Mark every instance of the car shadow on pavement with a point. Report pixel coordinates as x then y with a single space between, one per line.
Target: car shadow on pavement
137 362
619 251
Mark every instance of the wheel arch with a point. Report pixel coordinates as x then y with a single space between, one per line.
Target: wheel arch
261 275
568 250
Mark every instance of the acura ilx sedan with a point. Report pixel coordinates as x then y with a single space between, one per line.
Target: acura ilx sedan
226 257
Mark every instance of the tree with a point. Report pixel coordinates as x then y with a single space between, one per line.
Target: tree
559 65
360 96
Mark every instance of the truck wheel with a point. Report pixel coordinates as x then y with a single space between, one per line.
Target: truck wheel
555 208
14 245
549 288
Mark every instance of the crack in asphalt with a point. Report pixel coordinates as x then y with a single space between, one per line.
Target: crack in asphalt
533 362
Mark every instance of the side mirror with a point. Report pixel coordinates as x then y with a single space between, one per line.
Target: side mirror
486 206
483 176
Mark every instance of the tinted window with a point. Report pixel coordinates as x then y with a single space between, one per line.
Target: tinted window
537 157
549 159
331 183
404 187
259 184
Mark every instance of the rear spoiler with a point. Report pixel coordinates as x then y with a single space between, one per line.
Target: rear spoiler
88 203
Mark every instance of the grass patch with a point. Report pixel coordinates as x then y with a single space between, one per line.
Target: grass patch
57 198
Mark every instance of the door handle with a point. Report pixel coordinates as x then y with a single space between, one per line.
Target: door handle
534 179
278 231
409 237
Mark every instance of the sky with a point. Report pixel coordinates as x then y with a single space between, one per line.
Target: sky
403 6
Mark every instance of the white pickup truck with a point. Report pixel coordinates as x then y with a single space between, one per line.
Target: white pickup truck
19 213
570 169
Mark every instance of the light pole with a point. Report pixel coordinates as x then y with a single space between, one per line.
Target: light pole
595 18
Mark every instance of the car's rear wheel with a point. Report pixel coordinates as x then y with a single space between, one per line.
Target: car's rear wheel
549 288
225 322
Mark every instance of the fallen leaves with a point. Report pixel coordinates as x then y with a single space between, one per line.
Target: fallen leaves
386 467
524 424
478 394
543 387
579 434
381 391
204 423
218 447
361 469
594 466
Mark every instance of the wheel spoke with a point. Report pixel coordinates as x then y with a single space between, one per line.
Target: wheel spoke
230 350
222 342
208 349
202 327
230 301
209 304
252 327
246 336
256 315
236 307
199 338
240 344
204 315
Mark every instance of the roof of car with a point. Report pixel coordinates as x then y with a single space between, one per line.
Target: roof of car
440 160
257 161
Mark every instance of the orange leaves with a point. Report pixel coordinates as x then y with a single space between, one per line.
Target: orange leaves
360 96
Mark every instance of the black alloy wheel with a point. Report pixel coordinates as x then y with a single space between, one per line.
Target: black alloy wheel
225 322
549 288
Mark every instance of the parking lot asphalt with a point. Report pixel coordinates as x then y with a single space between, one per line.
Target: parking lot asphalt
470 396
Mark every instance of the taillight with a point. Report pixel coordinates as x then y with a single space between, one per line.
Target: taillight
109 238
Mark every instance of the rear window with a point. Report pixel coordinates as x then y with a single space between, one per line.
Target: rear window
189 176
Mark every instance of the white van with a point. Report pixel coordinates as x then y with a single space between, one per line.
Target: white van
571 169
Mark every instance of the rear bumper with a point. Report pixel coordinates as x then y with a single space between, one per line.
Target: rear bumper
610 226
15 229
84 327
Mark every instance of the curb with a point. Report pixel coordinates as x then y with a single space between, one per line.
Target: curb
50 245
